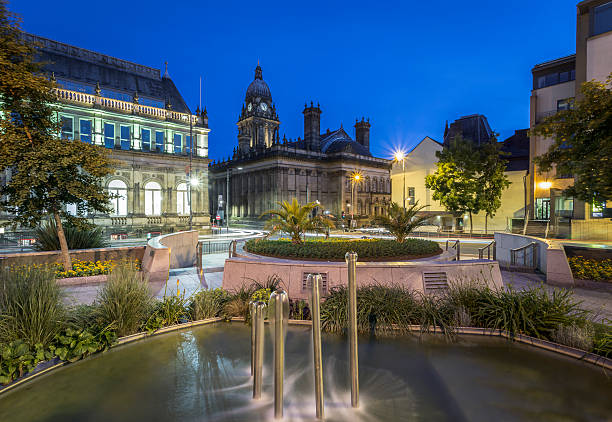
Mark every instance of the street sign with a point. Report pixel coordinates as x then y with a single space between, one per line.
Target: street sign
218 218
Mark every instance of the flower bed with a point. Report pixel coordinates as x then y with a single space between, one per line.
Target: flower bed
335 249
591 269
88 268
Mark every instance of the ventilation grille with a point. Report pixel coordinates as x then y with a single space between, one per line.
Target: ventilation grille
307 286
434 282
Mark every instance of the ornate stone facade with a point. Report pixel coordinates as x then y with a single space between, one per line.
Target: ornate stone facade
265 169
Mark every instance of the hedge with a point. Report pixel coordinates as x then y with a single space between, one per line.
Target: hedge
335 249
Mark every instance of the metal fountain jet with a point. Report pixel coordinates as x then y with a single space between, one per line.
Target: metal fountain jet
257 341
351 260
314 280
279 313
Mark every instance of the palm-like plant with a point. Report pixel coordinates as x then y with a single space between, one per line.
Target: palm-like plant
295 220
401 222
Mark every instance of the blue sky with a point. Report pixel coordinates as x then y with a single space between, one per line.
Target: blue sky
407 66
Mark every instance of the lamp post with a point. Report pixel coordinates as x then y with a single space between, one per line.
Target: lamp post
356 177
227 198
401 156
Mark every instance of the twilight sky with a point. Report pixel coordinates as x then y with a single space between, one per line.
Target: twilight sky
407 66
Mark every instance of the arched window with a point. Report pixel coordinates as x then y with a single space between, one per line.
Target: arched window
118 189
182 199
153 198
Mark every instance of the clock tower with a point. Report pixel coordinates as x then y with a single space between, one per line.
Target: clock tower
258 123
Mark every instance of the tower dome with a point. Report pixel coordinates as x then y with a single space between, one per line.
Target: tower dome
258 88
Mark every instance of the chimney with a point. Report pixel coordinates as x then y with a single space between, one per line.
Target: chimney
362 132
312 126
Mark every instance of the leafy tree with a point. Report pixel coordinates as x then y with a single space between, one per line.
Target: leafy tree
582 143
44 172
469 178
401 222
493 180
296 220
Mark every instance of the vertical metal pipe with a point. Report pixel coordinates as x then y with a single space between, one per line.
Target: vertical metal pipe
258 321
280 301
351 260
252 312
314 280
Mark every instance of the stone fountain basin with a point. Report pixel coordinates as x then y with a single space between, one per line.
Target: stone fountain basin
203 374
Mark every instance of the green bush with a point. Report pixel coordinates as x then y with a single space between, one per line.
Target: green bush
171 310
76 237
335 249
208 304
125 301
75 344
17 358
31 308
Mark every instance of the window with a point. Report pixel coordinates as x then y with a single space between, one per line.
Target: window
109 135
126 143
153 199
188 144
597 208
146 139
564 207
118 188
556 78
159 141
67 128
178 141
182 199
601 19
542 211
411 198
75 86
565 104
85 130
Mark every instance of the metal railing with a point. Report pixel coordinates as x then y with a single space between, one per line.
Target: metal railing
211 247
490 248
533 262
456 245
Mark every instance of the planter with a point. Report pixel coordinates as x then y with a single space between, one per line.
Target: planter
75 281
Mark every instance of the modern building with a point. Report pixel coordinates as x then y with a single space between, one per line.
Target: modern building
266 169
556 84
474 127
421 162
139 115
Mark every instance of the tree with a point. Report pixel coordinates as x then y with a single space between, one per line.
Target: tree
296 220
469 178
493 179
401 222
582 143
44 172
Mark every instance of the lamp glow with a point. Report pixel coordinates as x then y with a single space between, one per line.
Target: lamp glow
399 155
545 185
194 181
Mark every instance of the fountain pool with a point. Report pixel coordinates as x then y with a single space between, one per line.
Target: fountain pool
203 374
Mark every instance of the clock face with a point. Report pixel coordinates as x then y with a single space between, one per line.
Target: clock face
263 106
250 107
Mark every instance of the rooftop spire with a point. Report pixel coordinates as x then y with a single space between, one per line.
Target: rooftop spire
166 74
258 73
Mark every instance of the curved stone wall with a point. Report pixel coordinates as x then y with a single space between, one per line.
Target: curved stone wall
174 250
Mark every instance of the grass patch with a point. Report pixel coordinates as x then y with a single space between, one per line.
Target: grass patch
335 249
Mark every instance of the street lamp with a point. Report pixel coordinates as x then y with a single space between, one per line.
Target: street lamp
193 182
401 156
356 177
227 198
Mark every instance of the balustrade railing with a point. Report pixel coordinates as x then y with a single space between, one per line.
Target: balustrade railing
530 260
490 248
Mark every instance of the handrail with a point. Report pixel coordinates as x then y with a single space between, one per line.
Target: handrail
514 253
488 247
456 246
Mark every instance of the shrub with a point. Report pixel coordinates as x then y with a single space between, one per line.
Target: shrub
125 300
17 358
77 237
591 269
335 249
74 344
208 304
31 306
238 304
170 310
575 335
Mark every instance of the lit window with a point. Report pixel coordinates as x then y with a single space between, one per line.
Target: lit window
602 19
182 199
153 198
565 104
85 130
67 128
159 141
109 135
542 209
411 198
597 208
71 209
178 143
146 139
126 143
118 188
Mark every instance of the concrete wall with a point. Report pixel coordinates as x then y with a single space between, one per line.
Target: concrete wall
551 258
242 271
175 250
101 254
593 229
599 58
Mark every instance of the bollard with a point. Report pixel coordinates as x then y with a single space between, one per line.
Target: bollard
279 301
258 321
314 280
351 260
252 313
